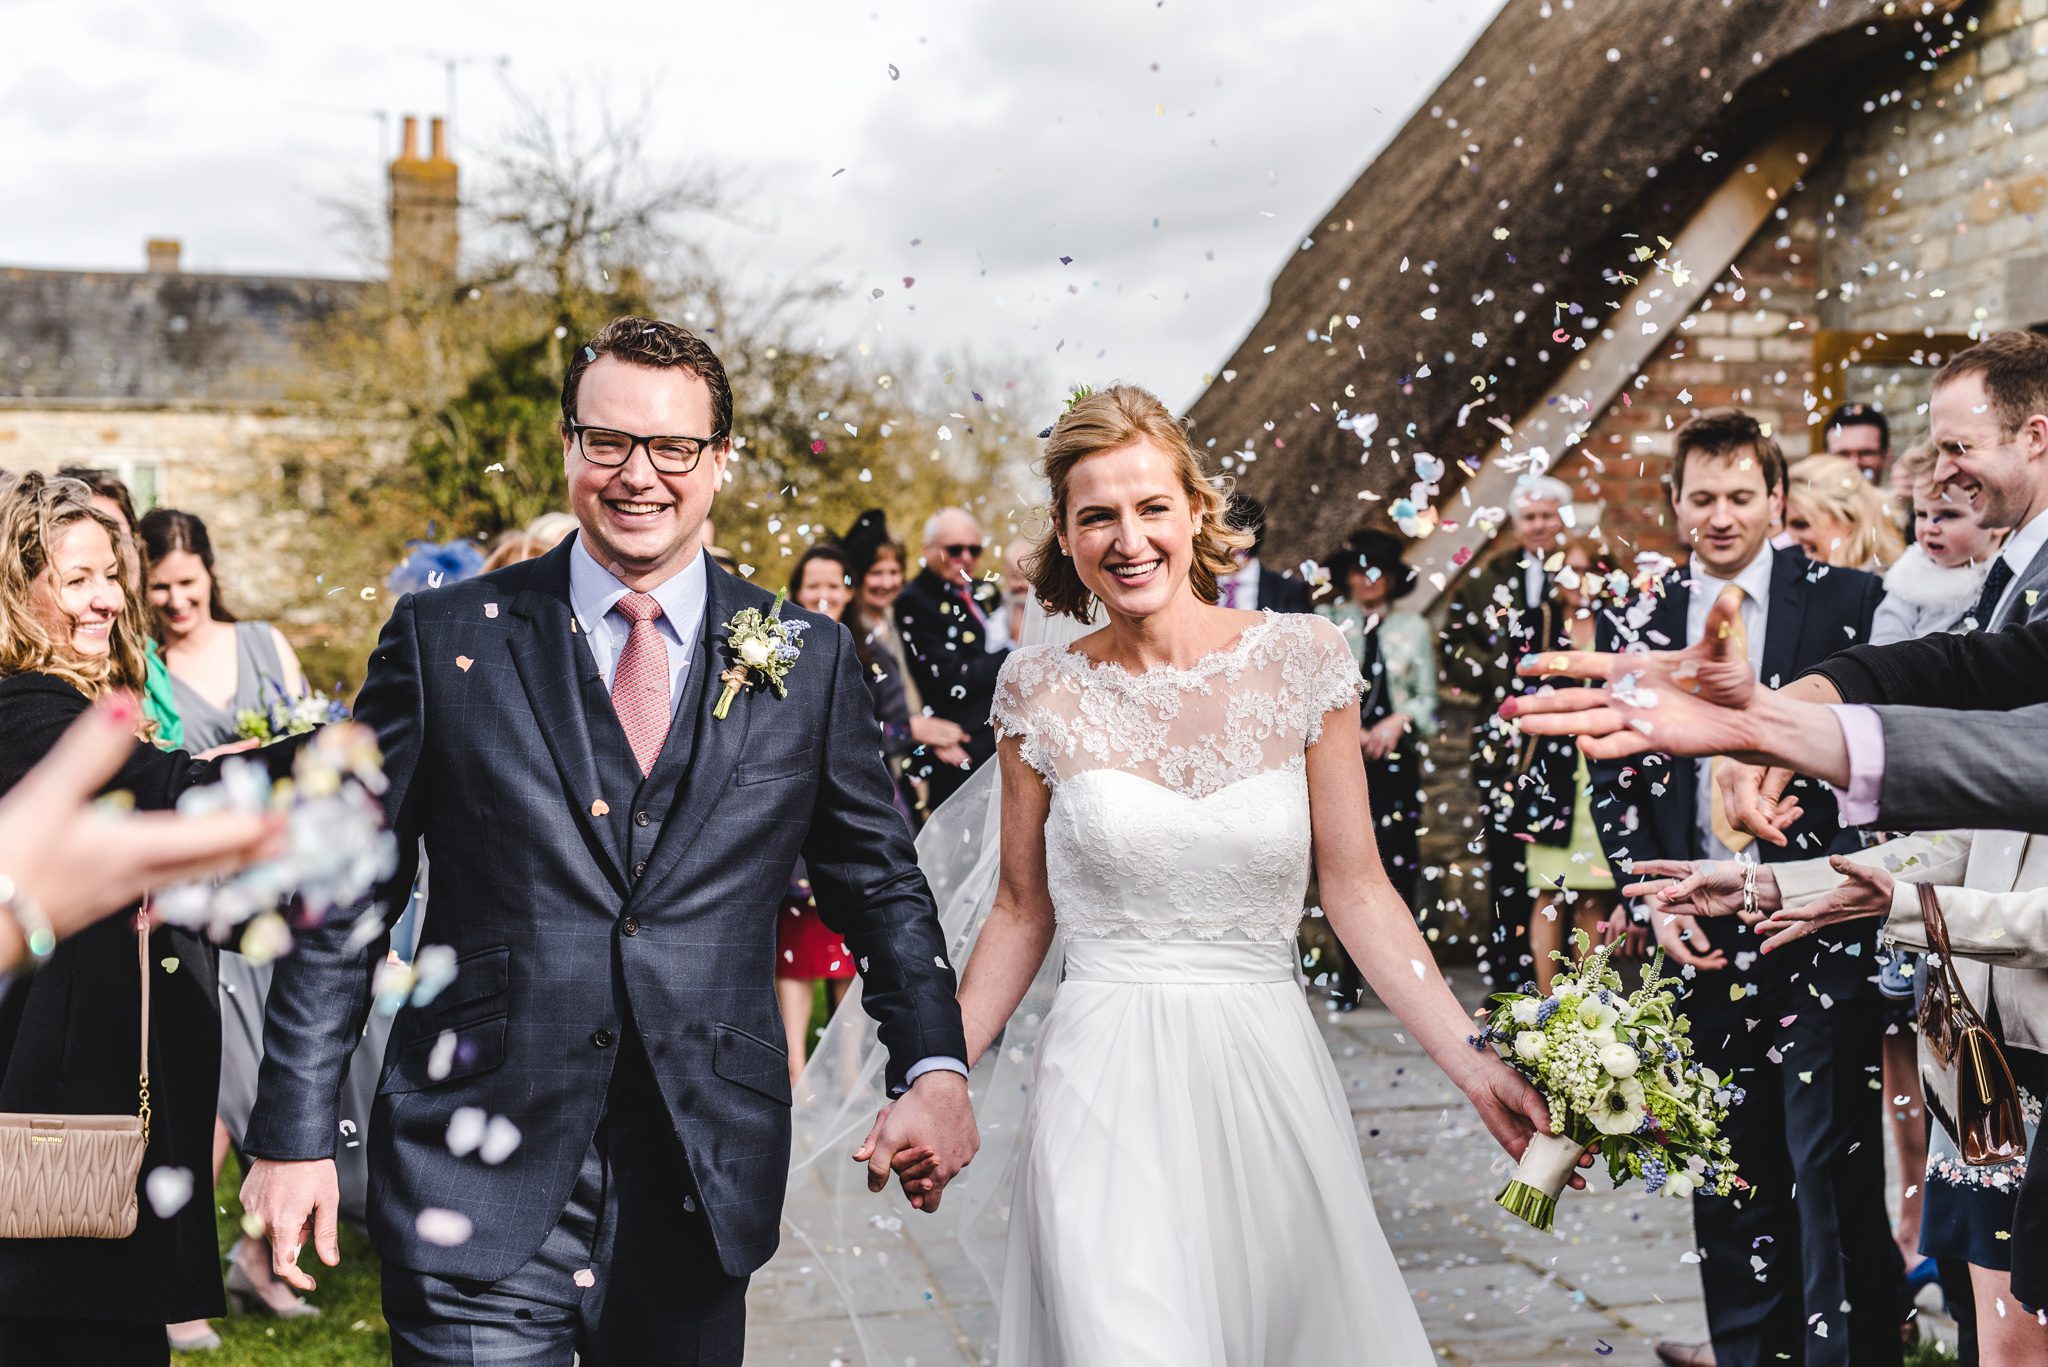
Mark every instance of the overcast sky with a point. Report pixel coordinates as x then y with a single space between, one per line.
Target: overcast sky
1176 150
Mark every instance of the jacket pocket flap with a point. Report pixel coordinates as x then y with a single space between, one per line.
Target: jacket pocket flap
769 770
480 976
751 1062
443 1055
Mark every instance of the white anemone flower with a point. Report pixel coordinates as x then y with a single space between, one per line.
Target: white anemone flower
1680 1184
1595 1014
1618 1107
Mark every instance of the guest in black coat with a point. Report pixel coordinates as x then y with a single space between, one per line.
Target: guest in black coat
1801 1267
951 625
1255 585
70 633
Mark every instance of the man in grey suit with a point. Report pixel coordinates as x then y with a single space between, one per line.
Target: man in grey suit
580 1143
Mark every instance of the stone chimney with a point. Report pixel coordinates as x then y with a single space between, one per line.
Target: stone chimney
163 255
425 238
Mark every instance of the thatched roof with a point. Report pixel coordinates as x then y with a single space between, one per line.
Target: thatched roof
1568 135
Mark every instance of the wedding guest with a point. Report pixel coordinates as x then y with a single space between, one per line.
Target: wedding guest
70 633
944 616
1255 585
1859 433
110 496
807 951
1396 651
1813 1152
1572 886
1489 626
1840 518
221 668
875 564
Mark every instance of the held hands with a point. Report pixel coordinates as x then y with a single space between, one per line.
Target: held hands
1512 1110
926 1137
1685 702
294 1201
1867 892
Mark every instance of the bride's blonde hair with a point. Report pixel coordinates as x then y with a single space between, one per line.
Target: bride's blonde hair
1108 421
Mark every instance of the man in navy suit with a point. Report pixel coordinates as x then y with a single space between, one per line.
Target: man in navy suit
1801 1267
608 856
1255 584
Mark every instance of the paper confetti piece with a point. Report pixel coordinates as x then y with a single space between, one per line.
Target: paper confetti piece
600 807
168 1190
584 1277
463 662
447 1228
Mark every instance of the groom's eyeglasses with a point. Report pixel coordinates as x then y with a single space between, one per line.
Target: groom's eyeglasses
609 447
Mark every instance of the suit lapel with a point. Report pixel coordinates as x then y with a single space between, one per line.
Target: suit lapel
555 667
2032 580
713 746
1786 620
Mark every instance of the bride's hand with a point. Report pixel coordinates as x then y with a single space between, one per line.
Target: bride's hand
1513 1111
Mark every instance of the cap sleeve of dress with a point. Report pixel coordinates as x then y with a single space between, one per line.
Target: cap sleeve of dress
1329 675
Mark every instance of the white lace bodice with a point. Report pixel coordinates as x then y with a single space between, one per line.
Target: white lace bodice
1179 796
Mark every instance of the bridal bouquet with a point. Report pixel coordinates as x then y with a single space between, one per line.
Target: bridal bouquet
1614 1068
289 716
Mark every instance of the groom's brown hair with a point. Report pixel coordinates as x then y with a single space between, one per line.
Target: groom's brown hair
651 342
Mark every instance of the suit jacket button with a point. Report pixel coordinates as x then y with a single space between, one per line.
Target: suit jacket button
601 1038
640 868
630 926
639 818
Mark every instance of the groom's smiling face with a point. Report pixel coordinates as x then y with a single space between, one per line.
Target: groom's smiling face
641 524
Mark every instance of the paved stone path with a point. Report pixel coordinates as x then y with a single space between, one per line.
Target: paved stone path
1611 1280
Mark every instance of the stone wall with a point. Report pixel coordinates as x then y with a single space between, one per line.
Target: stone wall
238 470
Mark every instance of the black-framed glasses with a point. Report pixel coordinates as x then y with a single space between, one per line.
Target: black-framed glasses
611 448
971 550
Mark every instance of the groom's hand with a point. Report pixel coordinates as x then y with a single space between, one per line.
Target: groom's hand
926 1136
295 1200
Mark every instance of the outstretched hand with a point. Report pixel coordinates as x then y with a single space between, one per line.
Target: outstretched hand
1865 891
925 1137
1684 702
1513 1111
1700 887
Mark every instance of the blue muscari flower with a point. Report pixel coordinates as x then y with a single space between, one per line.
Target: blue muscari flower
1547 1010
1649 1123
794 625
1654 1174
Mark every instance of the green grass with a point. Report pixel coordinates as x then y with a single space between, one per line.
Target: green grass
350 1331
1928 1353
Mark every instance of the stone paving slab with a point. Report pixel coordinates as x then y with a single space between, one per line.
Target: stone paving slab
1609 1282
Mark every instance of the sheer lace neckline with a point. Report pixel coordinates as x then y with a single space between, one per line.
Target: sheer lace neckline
1219 658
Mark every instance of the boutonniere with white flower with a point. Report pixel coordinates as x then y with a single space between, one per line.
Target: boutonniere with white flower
762 647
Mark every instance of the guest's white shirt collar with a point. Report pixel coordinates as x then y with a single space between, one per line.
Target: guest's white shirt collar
1754 579
594 591
2024 544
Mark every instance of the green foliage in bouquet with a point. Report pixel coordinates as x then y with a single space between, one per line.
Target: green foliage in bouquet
1616 1069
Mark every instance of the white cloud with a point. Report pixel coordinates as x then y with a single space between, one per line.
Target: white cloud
1013 135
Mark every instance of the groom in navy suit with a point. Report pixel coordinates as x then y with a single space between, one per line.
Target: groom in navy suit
580 1144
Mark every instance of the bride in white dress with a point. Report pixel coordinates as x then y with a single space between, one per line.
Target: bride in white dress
1188 1189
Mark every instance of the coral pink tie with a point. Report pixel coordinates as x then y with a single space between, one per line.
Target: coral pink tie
640 684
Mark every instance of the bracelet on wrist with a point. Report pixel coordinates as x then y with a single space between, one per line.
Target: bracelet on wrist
37 935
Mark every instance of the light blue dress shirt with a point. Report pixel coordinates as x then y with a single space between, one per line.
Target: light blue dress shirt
684 596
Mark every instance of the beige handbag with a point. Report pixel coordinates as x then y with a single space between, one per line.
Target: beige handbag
74 1176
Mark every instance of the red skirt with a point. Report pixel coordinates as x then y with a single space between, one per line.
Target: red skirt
806 948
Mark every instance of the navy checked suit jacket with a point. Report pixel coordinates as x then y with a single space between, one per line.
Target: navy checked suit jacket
477 693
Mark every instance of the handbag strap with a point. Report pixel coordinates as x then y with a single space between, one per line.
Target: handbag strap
1937 925
142 962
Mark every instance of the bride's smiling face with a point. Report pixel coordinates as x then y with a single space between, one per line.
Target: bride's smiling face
1130 528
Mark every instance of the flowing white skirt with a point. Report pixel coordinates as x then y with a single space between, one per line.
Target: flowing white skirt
1189 1190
